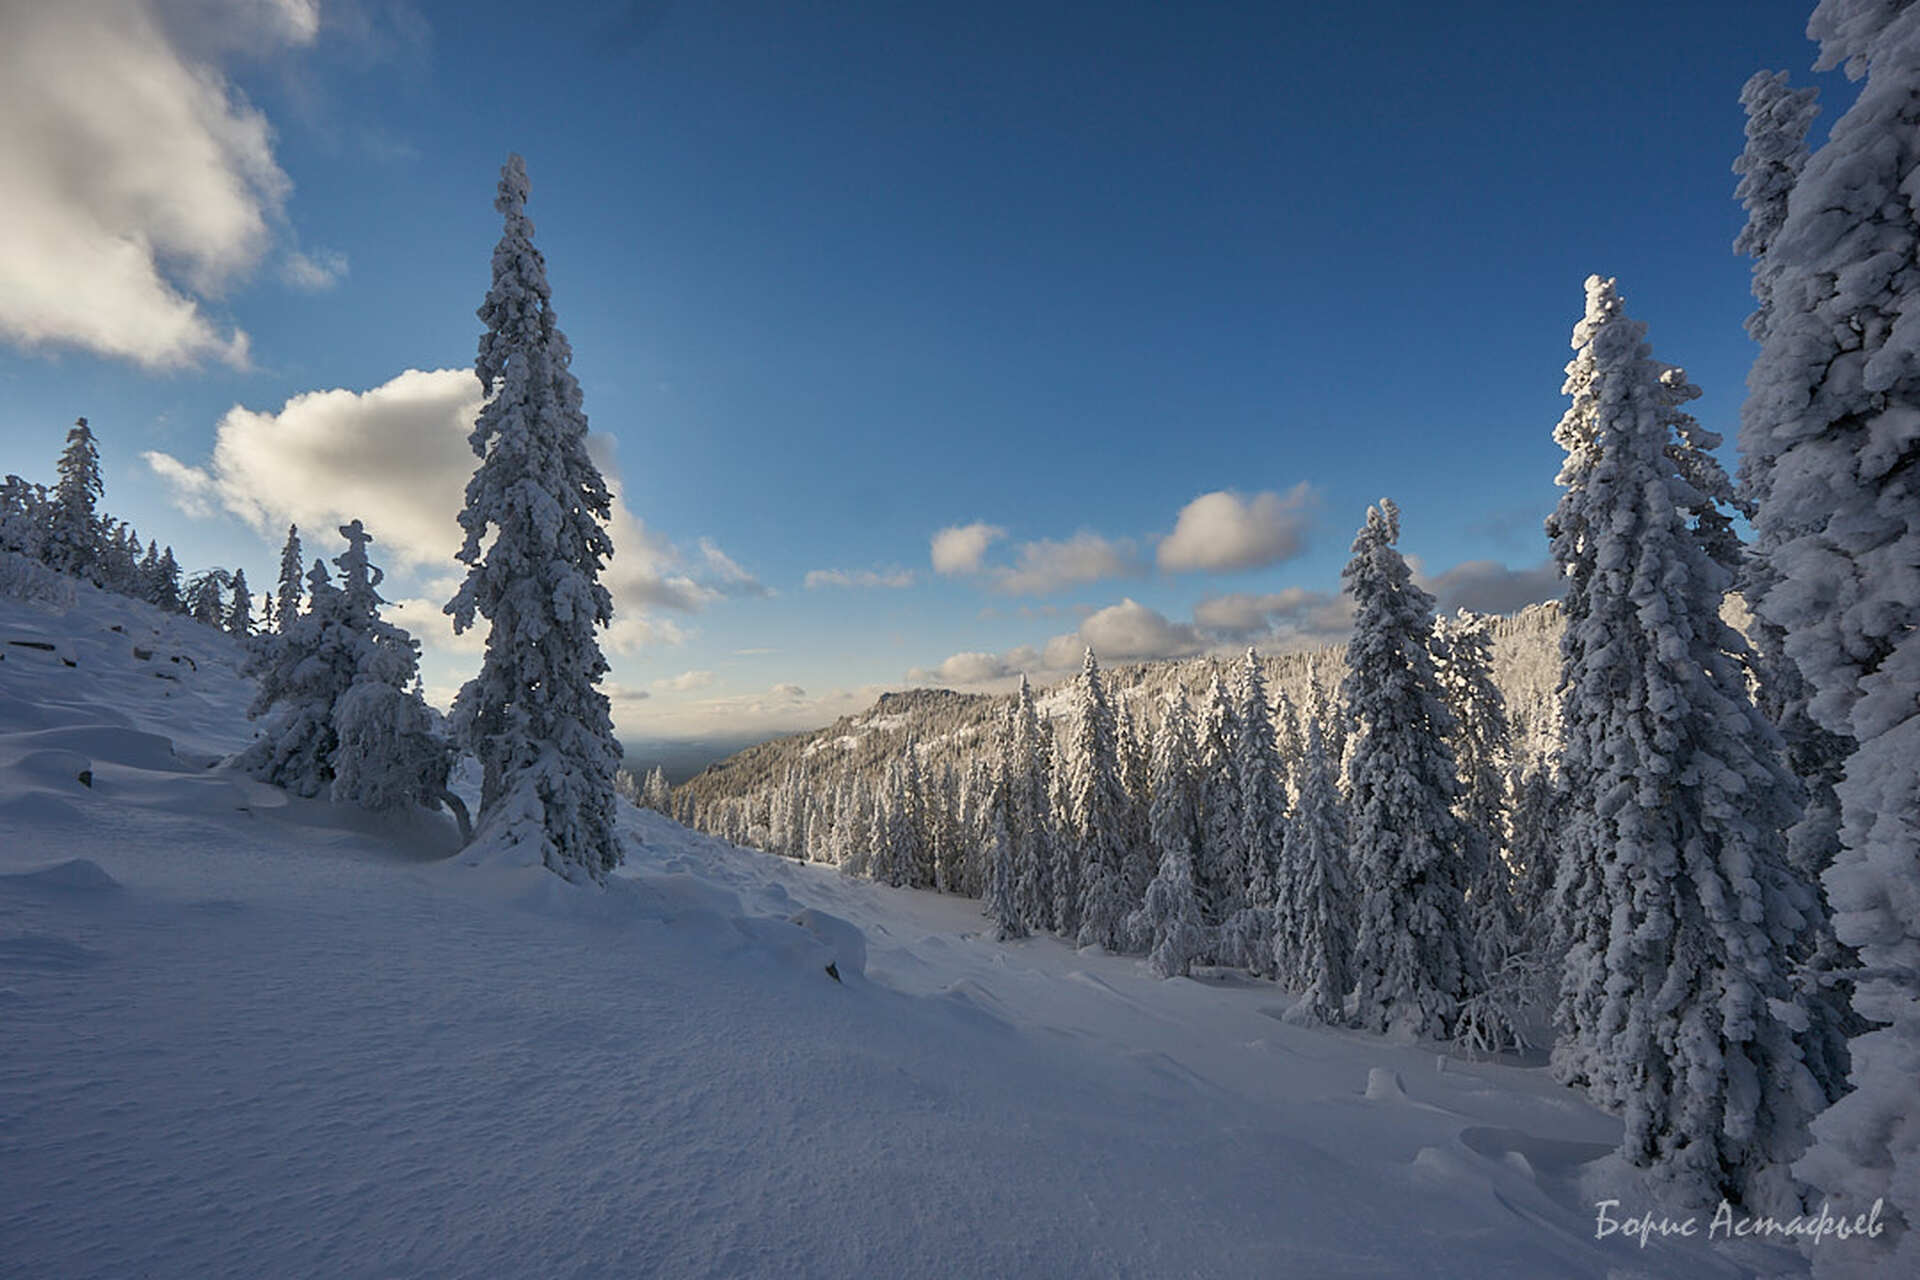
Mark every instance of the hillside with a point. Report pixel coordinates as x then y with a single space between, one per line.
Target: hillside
251 1035
951 729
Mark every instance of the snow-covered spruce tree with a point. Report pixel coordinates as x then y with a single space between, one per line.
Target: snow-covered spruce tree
1134 742
1222 869
239 619
1097 814
1065 871
287 603
23 517
73 542
387 755
1413 963
302 672
1778 118
1675 977
1312 943
1482 743
655 794
535 545
206 597
1536 840
1830 443
1169 916
1263 795
994 837
1028 815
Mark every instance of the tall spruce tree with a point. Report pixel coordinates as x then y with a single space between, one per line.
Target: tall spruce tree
239 620
73 536
1312 945
287 604
1028 813
1222 870
1675 974
1262 784
1830 442
535 546
1169 917
1778 118
1413 964
1097 813
995 839
1482 744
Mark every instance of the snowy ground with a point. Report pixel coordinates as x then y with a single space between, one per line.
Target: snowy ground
247 1035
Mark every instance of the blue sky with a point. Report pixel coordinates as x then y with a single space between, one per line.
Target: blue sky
841 276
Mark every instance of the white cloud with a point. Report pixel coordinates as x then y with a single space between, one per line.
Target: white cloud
1046 566
396 457
960 549
140 184
1125 632
1293 618
730 578
1222 531
1130 631
314 272
884 579
788 692
1486 586
685 682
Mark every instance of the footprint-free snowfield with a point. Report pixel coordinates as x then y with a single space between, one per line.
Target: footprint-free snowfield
247 1036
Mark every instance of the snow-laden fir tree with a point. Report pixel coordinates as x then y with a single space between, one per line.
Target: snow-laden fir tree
535 716
1097 813
1675 1004
206 597
1262 784
1537 813
1314 914
1778 118
23 524
1134 748
388 756
1222 869
1029 817
1482 745
239 619
1065 871
73 529
655 794
287 601
1830 442
1413 963
996 841
1169 917
302 671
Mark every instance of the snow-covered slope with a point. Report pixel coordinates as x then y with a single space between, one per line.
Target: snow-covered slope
247 1035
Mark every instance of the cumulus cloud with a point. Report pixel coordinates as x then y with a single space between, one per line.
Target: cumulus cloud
1125 632
884 579
397 458
140 184
1486 586
1130 631
685 682
1045 566
1293 618
961 549
1223 531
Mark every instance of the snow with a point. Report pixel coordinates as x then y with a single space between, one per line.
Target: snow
251 1034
